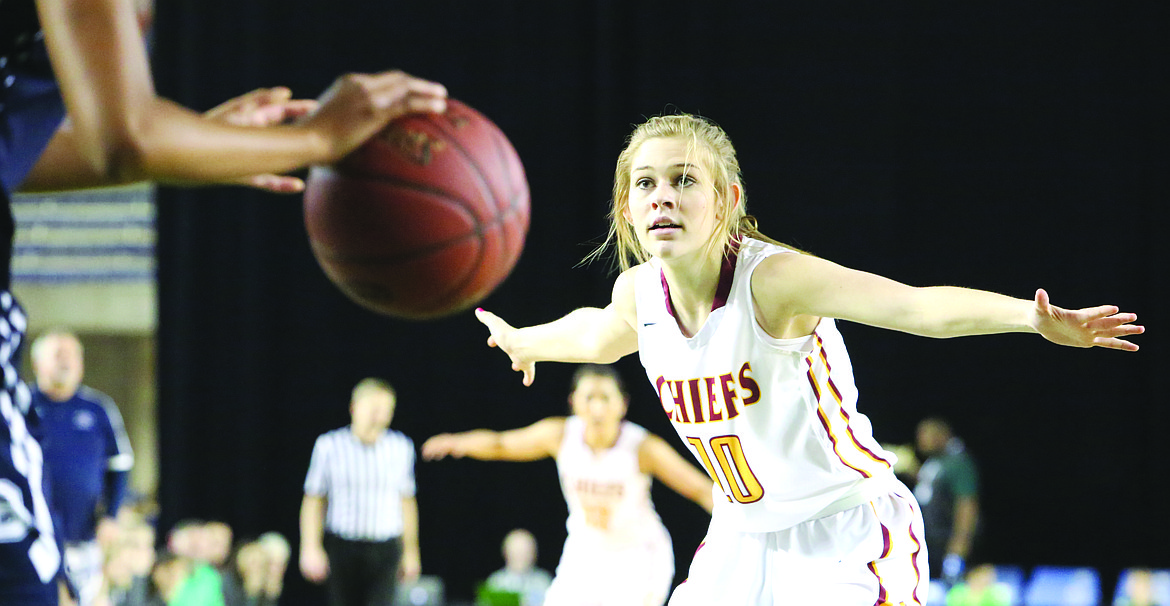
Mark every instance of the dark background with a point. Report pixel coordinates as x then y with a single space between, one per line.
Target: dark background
1001 145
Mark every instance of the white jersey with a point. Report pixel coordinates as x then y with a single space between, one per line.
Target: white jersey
773 421
607 493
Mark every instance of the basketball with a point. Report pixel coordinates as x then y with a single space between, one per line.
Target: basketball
425 219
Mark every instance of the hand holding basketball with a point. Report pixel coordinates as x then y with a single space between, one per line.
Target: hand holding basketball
423 220
357 106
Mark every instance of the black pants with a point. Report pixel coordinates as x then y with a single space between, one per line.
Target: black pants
362 573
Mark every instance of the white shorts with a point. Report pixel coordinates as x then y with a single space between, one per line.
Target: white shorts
871 554
589 574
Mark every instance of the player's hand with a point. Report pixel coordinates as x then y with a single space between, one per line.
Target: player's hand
357 106
501 336
314 564
265 107
1102 326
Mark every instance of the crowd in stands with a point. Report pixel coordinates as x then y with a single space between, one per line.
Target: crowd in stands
200 565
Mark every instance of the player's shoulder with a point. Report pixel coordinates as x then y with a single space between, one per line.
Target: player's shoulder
90 397
630 281
775 266
634 429
626 280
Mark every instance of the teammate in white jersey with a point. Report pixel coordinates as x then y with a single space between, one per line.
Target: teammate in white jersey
737 335
617 551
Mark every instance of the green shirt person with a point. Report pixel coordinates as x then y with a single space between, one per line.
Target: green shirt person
980 589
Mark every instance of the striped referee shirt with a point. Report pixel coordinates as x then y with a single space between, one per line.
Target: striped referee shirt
363 484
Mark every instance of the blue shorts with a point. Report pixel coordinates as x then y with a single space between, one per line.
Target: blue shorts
30 556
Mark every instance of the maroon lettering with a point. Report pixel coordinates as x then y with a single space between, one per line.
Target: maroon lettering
662 397
696 400
680 401
748 383
727 382
713 412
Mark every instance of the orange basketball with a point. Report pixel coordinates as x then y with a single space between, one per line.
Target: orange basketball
425 219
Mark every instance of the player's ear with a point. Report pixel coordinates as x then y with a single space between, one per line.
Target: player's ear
736 195
729 201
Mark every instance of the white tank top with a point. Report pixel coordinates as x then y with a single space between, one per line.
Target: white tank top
773 421
607 493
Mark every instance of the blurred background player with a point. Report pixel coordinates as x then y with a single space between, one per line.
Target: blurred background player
359 516
617 551
87 455
947 489
520 575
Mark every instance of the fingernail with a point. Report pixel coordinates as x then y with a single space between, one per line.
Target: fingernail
478 309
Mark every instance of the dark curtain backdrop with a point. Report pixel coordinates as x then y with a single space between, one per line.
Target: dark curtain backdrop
1002 145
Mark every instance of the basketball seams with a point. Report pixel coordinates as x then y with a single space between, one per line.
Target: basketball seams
372 259
489 192
452 137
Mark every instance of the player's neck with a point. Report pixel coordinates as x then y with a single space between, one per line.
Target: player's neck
601 439
693 283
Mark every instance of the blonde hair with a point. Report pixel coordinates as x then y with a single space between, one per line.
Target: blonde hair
715 151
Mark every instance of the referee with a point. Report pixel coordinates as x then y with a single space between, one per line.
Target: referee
359 517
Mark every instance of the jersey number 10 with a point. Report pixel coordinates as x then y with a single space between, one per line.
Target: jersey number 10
741 485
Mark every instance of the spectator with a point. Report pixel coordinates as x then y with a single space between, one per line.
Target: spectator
520 574
128 564
196 542
168 577
948 492
1141 589
980 589
255 574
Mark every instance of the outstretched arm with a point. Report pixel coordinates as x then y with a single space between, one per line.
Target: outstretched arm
540 440
792 286
62 166
658 459
588 334
123 132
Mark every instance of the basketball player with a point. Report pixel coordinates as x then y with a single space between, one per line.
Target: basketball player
736 334
88 63
617 551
